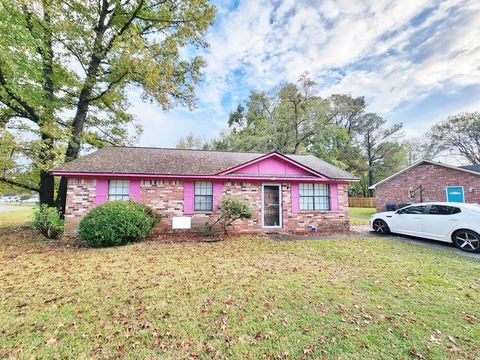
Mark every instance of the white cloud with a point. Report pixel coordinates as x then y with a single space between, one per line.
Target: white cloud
367 49
277 43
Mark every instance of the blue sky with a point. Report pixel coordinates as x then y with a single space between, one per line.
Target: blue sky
415 61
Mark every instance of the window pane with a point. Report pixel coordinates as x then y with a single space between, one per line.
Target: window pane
306 203
203 188
203 202
118 189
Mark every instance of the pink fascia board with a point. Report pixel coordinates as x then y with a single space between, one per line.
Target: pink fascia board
130 176
269 165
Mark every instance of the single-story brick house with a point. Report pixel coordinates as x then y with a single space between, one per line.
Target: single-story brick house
427 181
296 193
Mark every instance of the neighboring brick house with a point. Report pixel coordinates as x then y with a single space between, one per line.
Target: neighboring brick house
432 181
296 193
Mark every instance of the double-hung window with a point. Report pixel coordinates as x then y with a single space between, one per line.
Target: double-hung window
203 196
118 189
314 196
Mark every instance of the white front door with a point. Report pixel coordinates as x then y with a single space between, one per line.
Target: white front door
272 205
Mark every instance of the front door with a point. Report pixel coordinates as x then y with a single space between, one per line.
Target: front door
272 208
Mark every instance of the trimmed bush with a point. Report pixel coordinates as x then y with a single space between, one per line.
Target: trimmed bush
231 209
116 223
48 221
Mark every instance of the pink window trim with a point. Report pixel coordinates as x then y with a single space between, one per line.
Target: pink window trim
333 197
101 191
295 198
188 197
217 194
134 190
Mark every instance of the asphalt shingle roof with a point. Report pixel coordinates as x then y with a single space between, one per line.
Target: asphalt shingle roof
164 161
475 168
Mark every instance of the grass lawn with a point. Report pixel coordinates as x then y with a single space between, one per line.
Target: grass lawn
360 216
247 297
17 217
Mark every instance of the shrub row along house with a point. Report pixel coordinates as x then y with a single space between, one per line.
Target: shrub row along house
427 181
296 193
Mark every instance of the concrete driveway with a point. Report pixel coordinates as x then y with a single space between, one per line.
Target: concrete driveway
428 243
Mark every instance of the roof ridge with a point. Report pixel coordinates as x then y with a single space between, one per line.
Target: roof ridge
202 150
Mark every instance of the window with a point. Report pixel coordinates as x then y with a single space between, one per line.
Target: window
443 210
203 196
314 197
118 189
413 210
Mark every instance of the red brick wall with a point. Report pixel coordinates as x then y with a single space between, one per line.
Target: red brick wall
166 197
80 199
434 180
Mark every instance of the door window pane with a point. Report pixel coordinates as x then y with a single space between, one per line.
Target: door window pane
271 205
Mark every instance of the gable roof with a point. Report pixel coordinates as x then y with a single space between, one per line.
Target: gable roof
467 169
164 161
475 168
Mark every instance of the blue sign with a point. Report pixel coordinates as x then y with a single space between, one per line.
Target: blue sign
455 194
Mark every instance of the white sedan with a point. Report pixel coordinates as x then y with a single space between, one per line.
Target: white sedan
454 223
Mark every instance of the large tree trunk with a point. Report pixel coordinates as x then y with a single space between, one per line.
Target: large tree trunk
47 181
78 123
47 188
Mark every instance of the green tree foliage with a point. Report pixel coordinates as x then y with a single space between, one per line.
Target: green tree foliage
378 144
460 134
66 68
294 119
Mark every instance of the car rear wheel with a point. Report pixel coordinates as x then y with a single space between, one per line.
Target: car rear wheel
467 240
380 227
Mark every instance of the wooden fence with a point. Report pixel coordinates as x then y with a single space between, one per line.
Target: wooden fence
365 202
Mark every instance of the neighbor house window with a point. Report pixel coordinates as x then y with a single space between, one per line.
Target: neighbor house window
314 197
118 189
203 196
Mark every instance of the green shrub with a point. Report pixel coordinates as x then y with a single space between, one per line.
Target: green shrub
47 220
116 223
231 209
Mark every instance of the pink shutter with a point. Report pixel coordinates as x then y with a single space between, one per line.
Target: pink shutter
101 191
334 197
217 194
134 190
188 197
295 198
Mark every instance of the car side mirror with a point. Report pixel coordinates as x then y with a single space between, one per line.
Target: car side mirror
398 212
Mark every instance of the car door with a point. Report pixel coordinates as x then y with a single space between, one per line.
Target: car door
440 220
408 220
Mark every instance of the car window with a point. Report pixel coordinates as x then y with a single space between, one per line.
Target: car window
420 209
443 210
